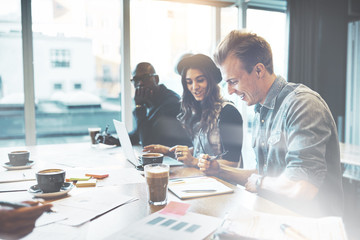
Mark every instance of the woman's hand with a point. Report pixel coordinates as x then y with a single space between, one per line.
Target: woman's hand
208 167
156 148
184 154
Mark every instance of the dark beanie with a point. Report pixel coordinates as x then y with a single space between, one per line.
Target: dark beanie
201 62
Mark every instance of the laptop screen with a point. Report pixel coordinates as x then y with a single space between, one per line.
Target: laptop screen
127 147
125 142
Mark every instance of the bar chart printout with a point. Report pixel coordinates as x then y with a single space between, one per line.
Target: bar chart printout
163 227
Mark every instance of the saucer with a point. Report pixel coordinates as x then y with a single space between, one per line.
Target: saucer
9 166
37 192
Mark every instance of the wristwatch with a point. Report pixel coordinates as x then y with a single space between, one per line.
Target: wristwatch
139 106
259 182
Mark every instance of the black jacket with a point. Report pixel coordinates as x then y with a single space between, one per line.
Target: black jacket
158 124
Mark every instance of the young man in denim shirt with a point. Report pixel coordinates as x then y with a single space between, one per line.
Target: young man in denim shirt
294 136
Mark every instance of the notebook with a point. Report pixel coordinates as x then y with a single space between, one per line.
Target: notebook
129 152
201 186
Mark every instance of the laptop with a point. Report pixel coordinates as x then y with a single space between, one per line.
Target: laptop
128 149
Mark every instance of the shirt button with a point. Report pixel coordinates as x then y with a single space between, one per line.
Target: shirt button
262 144
265 166
262 120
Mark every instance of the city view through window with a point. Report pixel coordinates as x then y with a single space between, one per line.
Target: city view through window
77 59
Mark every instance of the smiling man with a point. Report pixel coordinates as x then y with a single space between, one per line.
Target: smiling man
294 134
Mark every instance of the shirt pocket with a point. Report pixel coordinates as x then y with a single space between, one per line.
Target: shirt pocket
274 138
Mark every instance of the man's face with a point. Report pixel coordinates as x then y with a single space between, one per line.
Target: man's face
246 85
145 80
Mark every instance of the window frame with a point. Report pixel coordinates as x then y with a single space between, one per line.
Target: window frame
27 40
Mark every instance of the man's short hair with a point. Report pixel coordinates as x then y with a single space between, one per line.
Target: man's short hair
247 47
144 67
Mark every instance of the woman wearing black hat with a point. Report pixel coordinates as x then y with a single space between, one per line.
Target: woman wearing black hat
214 124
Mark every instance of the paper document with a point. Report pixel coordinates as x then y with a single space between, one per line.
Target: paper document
17 176
86 206
191 226
16 186
267 226
185 188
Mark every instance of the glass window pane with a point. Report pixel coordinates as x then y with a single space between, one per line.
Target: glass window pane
229 20
271 26
11 75
76 67
162 31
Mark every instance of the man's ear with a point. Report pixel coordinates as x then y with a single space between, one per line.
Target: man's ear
157 79
259 69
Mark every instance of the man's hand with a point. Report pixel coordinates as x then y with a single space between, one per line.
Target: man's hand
17 223
143 95
250 185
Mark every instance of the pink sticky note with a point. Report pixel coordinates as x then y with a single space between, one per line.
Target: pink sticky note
175 208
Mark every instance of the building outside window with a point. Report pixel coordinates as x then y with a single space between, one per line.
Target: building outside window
60 58
80 88
11 75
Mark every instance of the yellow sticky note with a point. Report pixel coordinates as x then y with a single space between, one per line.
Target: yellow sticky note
88 183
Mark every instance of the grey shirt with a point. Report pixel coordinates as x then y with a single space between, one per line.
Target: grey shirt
295 134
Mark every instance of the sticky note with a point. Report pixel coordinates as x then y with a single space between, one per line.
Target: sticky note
88 183
175 208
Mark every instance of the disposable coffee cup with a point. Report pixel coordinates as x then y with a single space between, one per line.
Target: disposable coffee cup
50 180
92 133
157 179
19 158
149 158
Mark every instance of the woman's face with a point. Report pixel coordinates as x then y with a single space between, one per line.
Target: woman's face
196 83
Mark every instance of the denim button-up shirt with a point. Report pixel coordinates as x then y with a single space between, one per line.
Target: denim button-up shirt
295 134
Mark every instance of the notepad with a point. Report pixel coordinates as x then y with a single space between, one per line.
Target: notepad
193 187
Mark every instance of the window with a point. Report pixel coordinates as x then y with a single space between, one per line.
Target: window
272 26
77 86
60 58
58 86
183 28
11 75
76 55
81 37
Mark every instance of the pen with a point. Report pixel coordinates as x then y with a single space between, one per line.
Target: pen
13 204
17 205
292 233
198 190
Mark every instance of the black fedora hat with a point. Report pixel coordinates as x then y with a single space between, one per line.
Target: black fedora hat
198 61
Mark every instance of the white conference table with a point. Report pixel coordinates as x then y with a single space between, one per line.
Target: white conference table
76 157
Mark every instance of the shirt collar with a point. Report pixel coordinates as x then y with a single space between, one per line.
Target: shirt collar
274 91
